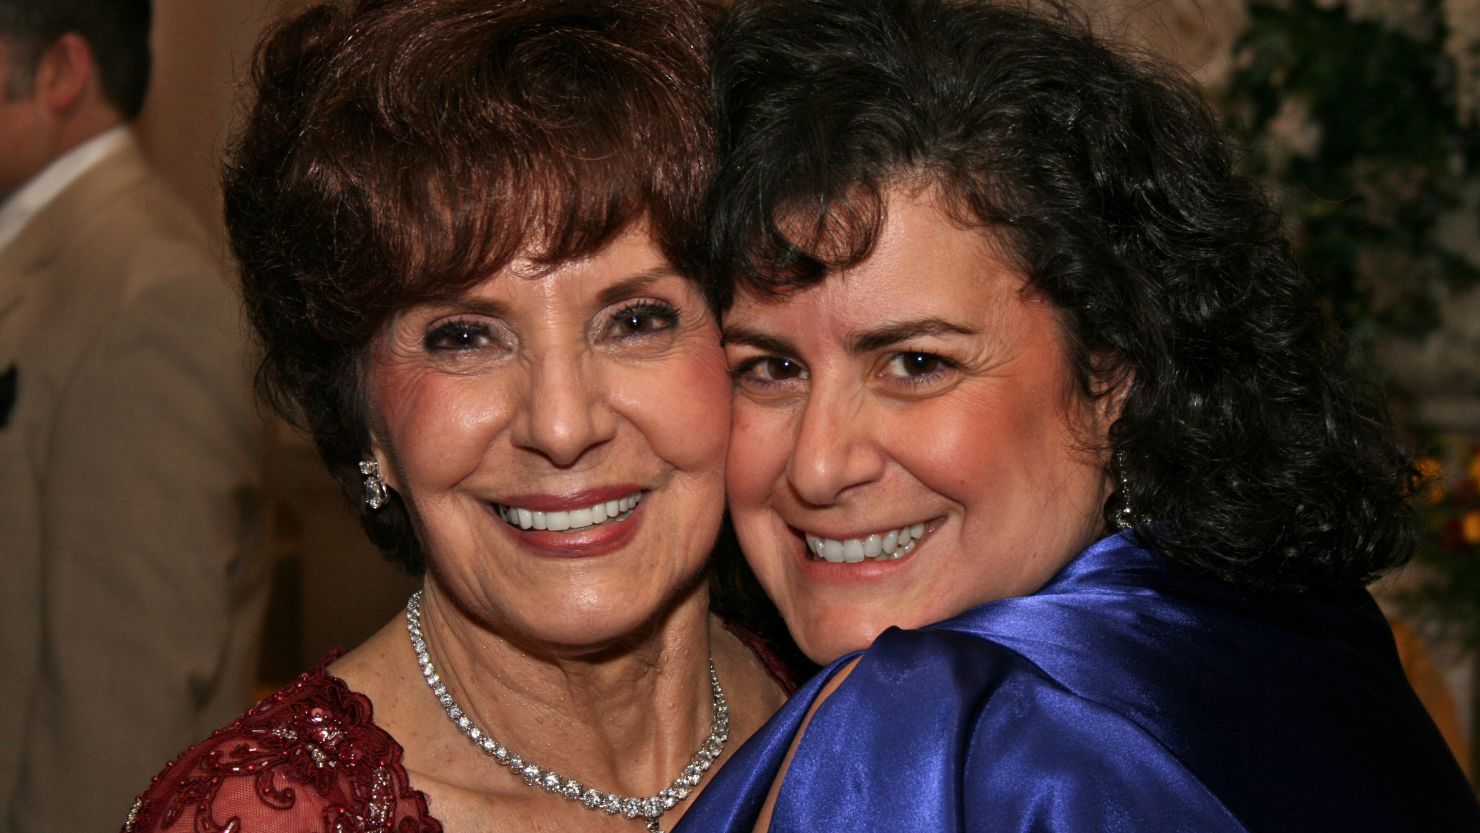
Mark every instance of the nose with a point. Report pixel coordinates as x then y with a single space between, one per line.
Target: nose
835 450
567 411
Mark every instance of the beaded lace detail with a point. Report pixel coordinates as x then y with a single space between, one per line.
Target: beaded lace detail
308 758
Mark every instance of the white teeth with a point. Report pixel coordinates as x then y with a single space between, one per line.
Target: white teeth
832 550
600 513
885 546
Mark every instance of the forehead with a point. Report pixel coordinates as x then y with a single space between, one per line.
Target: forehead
923 262
633 251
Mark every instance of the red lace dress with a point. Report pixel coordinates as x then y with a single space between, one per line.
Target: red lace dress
308 759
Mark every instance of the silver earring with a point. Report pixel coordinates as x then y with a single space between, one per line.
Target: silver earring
1126 517
376 492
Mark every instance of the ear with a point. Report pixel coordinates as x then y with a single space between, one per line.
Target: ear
1111 381
382 458
65 73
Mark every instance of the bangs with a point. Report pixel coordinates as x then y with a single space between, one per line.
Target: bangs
800 240
441 147
797 238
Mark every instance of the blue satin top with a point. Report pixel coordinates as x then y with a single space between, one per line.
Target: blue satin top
1127 696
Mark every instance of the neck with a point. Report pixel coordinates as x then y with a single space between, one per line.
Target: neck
621 717
86 125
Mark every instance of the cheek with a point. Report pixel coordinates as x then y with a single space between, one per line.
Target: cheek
683 407
759 447
1012 461
436 427
953 446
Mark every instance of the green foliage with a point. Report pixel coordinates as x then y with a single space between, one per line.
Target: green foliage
1354 124
1350 112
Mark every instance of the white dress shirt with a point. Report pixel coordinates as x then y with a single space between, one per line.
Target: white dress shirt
53 179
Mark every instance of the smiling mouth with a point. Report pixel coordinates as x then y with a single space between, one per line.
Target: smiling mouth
880 546
571 520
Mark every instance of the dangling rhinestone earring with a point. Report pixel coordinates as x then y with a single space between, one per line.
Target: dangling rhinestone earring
376 492
1125 518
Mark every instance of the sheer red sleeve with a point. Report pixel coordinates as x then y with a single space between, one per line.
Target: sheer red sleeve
308 759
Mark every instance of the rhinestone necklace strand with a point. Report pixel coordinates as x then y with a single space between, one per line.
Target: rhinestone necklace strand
648 809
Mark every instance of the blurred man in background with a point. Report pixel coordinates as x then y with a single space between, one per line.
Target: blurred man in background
129 444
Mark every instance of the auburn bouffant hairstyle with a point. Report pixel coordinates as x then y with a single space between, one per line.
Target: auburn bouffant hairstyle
1248 449
401 151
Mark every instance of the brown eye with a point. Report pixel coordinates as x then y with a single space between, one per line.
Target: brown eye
637 320
916 364
458 336
770 370
917 368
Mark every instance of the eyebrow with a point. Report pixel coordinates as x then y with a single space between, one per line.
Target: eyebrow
864 342
765 342
635 284
870 340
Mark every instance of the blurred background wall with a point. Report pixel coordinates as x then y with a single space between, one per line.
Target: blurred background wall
330 586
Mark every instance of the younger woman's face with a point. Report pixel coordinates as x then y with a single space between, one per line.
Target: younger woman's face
909 439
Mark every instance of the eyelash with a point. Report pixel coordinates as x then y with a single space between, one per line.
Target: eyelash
664 313
744 371
942 365
453 336
459 336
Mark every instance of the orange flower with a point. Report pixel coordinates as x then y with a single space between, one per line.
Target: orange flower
1469 526
1432 471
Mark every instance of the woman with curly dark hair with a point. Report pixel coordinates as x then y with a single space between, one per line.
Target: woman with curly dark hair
466 231
1034 410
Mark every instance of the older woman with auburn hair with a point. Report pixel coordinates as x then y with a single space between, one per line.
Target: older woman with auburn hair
1042 440
465 230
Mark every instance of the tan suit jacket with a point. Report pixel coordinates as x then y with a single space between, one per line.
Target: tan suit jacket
132 591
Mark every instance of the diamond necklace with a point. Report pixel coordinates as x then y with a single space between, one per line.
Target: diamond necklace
648 809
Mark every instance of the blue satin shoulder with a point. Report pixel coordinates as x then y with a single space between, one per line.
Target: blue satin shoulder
1126 695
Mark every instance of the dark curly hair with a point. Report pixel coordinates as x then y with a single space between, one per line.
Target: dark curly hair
1250 451
400 151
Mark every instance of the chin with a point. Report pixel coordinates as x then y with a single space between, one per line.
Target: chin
824 639
586 635
611 623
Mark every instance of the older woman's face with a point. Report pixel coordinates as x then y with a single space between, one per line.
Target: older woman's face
909 440
559 436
